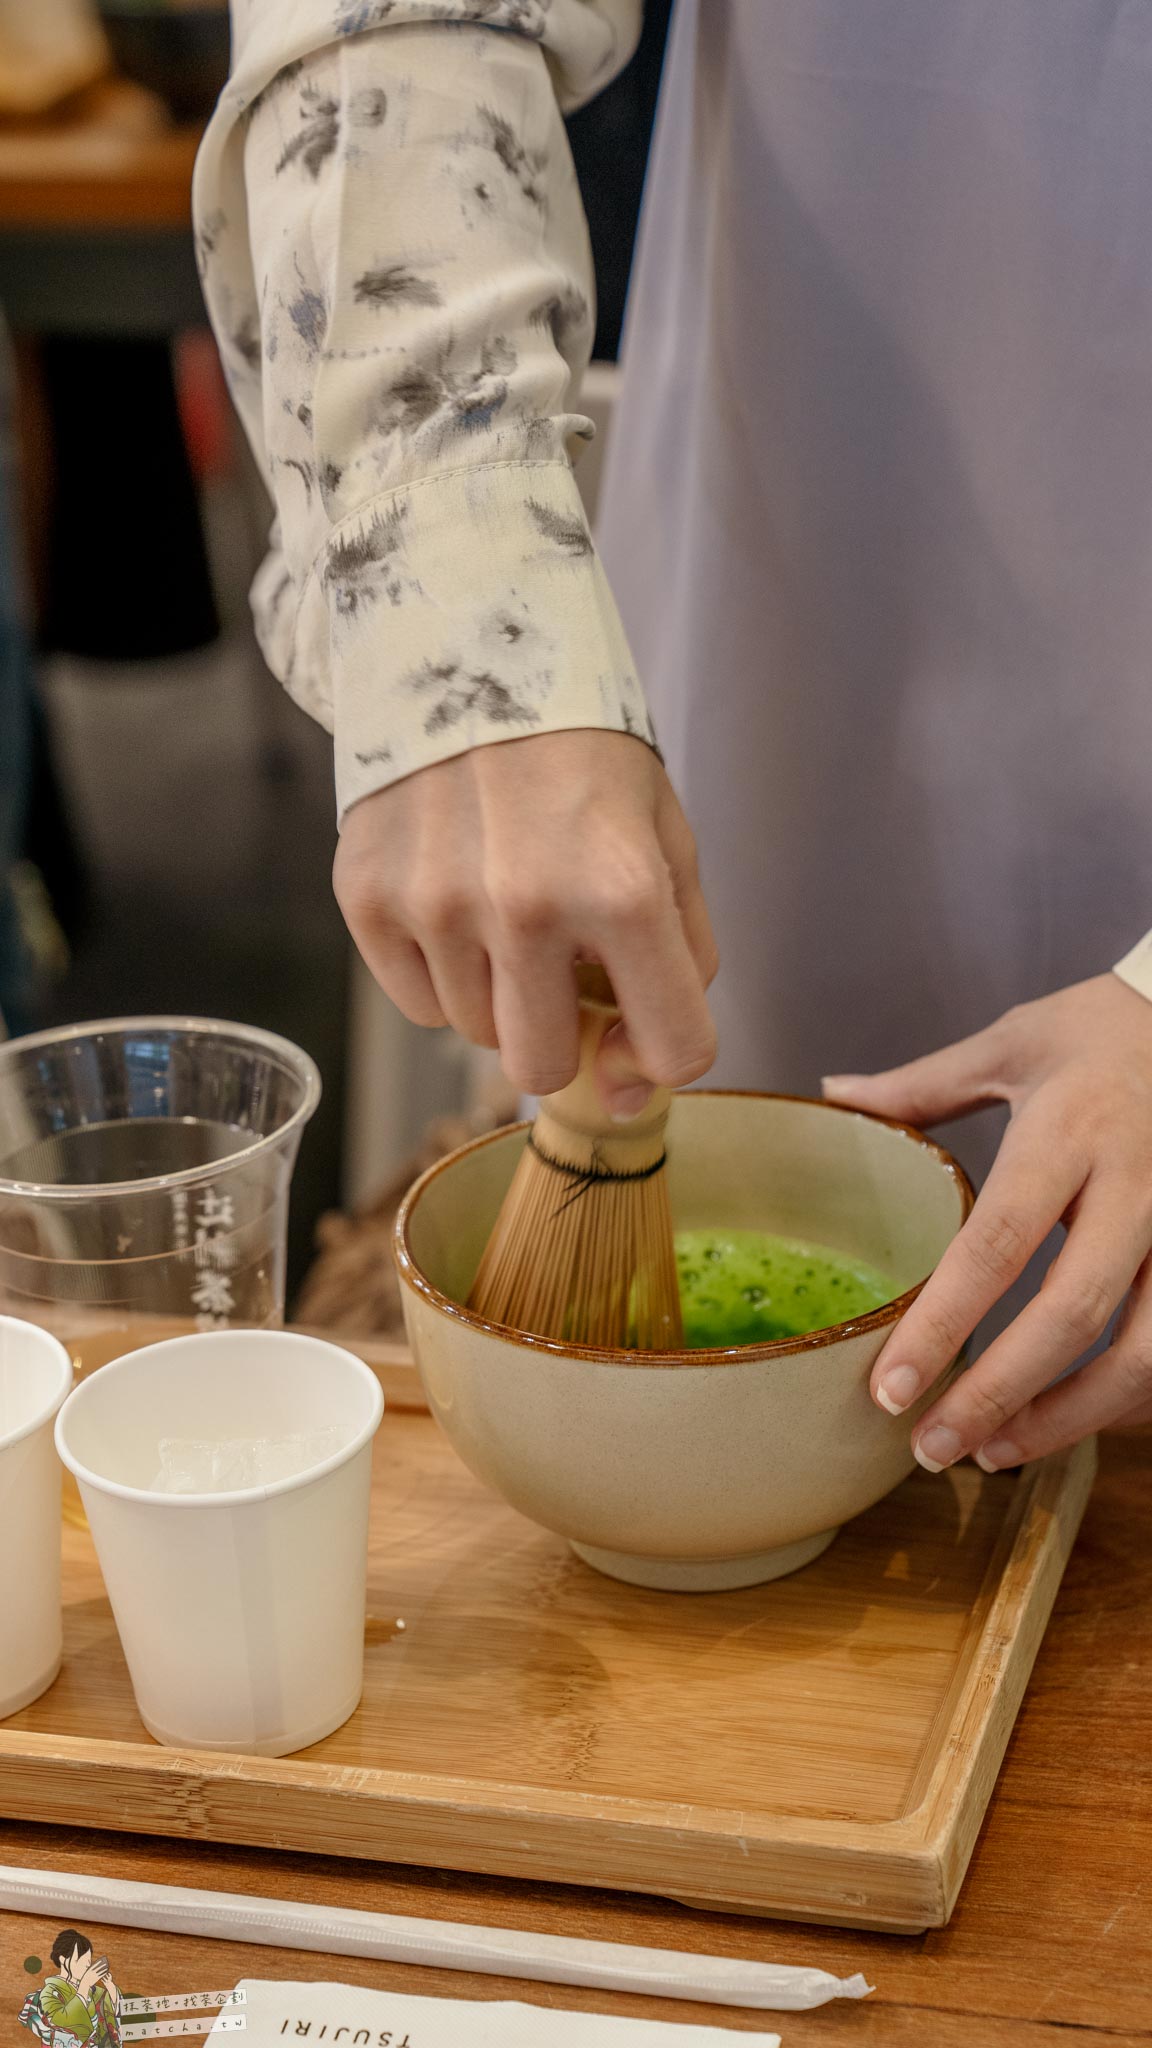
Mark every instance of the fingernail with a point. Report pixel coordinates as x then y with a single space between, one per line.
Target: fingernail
841 1084
628 1102
993 1457
898 1389
937 1448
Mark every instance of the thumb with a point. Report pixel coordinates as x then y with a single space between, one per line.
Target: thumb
623 1088
949 1083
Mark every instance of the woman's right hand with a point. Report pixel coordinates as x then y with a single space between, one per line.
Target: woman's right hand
472 888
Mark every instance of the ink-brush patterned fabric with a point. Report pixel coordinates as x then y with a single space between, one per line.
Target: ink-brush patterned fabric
878 499
396 262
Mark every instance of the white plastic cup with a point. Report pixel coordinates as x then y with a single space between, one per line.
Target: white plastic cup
241 1613
35 1377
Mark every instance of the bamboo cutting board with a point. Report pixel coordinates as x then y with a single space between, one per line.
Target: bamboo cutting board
822 1748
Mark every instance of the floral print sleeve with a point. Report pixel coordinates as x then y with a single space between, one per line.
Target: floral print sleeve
395 260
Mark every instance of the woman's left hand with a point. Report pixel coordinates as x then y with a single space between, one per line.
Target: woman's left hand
1076 1071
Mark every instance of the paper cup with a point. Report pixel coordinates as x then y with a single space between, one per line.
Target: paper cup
241 1611
35 1376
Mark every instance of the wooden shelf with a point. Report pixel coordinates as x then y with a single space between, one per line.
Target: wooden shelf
111 159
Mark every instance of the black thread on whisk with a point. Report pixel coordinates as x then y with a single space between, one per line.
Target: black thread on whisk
585 1177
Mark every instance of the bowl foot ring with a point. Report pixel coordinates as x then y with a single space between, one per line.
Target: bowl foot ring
707 1575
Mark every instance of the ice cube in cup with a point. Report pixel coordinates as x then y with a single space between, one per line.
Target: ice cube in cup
229 1464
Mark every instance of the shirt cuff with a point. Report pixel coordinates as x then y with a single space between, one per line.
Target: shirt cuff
1136 967
455 611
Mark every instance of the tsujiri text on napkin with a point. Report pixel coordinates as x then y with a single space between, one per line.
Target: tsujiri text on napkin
345 2016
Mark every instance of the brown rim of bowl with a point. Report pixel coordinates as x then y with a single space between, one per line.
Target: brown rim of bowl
741 1354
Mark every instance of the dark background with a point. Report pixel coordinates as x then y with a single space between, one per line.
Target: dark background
610 146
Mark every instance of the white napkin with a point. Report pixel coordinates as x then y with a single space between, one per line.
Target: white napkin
315 2013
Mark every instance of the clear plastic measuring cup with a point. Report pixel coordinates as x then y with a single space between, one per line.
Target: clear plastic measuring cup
144 1172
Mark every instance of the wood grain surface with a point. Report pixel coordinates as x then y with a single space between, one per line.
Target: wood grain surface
822 1747
1050 1943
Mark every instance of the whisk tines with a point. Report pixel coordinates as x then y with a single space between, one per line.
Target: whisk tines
582 1249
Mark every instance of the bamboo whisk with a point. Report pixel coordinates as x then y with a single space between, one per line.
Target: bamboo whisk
582 1247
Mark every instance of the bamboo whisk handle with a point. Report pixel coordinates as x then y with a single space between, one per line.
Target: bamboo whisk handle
573 1125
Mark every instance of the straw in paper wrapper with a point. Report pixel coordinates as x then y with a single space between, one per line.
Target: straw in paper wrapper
444 1944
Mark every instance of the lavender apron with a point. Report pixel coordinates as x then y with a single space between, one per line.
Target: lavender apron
878 508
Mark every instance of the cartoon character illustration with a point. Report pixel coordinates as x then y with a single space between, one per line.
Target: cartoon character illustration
78 2005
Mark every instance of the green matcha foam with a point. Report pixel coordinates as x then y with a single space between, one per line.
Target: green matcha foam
745 1287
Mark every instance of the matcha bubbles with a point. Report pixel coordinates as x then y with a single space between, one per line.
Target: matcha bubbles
745 1287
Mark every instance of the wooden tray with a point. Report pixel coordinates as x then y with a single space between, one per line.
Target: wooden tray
822 1748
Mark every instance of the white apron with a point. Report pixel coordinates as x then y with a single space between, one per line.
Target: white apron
878 508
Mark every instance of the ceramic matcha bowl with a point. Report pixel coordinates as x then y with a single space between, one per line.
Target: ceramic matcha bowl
690 1470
